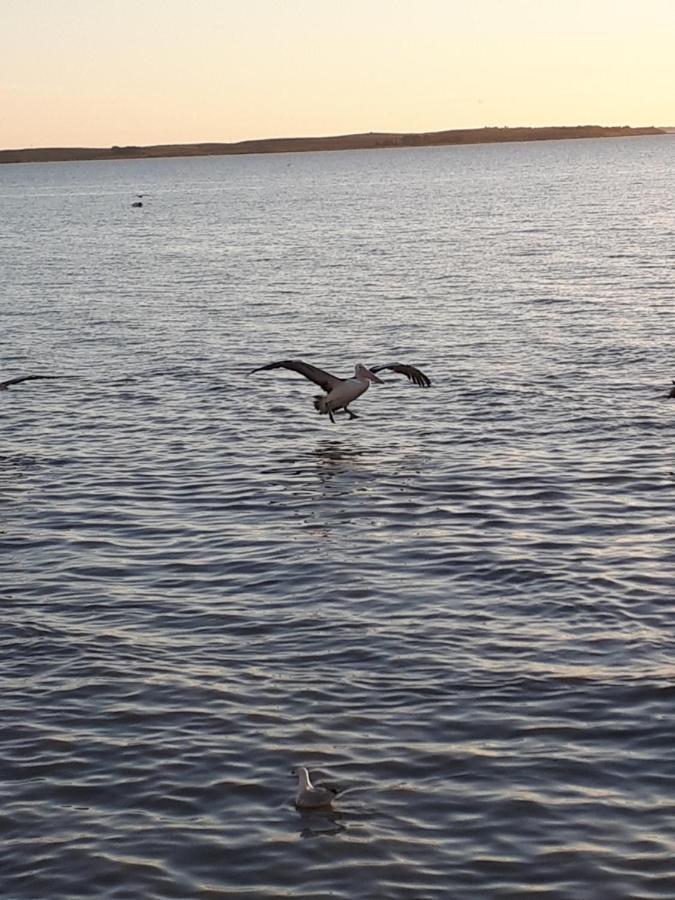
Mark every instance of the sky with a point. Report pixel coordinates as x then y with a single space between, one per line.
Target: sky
103 72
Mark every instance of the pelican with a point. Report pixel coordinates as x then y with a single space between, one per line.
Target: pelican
340 392
309 796
5 385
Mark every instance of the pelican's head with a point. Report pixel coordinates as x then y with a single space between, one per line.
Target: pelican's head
672 390
363 373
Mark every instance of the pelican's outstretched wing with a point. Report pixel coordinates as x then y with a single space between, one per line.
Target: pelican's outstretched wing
325 380
5 384
411 372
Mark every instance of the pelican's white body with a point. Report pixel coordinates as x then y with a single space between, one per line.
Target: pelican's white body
345 392
342 395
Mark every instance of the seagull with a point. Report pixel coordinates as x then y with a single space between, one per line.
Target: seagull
5 385
340 392
308 796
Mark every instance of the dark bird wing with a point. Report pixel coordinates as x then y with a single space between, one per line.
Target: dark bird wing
411 372
325 380
5 384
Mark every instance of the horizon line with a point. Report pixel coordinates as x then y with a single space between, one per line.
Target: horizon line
328 136
351 141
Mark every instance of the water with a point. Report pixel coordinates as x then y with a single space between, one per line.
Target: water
458 608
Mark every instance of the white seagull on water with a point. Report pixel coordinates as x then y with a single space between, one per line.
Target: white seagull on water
340 392
309 796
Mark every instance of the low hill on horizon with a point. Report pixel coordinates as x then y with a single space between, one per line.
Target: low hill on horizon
367 141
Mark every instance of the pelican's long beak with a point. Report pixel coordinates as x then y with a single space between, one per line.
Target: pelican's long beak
373 377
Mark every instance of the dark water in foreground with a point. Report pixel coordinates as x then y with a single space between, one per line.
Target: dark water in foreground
459 608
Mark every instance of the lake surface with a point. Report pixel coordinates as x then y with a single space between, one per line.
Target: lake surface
459 608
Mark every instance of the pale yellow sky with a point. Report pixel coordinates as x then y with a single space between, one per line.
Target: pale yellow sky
95 73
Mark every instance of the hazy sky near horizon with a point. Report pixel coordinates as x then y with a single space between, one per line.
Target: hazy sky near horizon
93 73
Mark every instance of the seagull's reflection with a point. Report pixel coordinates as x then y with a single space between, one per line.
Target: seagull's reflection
318 822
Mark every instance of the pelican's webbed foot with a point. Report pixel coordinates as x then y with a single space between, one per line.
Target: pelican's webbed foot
351 414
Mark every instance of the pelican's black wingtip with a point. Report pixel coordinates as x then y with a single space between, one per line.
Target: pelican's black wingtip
5 385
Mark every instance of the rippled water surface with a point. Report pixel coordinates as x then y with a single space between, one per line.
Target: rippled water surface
458 608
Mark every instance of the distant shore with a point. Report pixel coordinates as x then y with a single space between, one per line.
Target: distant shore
369 141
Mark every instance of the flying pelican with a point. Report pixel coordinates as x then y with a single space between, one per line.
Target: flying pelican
309 796
5 385
340 392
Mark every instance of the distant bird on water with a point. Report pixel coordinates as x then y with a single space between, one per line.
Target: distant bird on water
5 385
340 392
308 796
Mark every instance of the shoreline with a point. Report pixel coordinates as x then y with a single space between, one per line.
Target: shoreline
367 141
